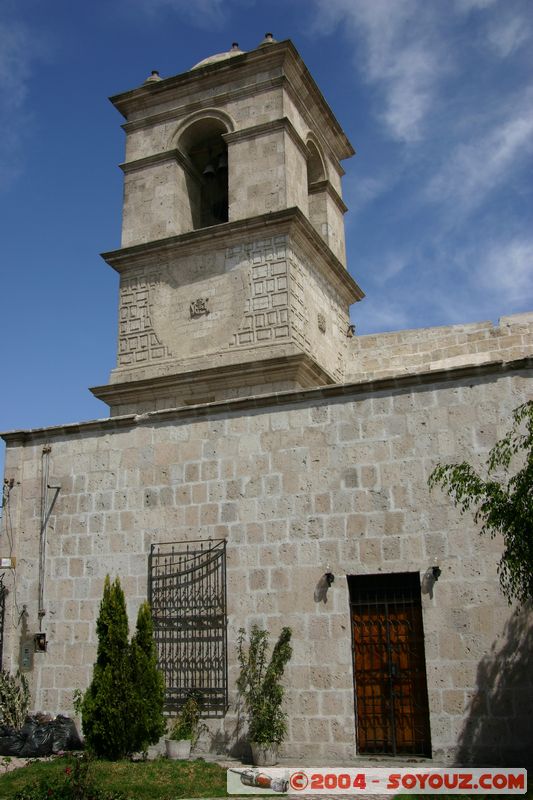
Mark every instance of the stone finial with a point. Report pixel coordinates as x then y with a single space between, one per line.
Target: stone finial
154 77
269 39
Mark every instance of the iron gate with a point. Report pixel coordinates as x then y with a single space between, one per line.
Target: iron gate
187 593
3 592
389 665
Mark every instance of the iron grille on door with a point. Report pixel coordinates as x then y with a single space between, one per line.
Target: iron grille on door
389 664
187 592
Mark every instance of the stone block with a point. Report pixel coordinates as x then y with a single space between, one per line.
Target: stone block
258 579
75 567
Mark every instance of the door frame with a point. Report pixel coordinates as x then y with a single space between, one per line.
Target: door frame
394 594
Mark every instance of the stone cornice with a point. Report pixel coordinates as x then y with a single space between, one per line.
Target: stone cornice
311 242
197 105
283 124
299 367
253 132
282 55
225 97
346 150
491 370
163 157
291 221
148 161
327 187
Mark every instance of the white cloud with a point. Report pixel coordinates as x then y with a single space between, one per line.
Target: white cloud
361 192
506 36
411 90
378 313
14 65
475 170
402 54
506 270
16 52
469 5
390 266
202 13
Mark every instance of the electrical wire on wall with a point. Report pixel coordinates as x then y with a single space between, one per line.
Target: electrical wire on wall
6 527
6 512
47 506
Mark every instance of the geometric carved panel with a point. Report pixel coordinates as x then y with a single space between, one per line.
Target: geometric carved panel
138 342
266 315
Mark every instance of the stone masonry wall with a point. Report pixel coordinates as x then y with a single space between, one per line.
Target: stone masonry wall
319 479
380 355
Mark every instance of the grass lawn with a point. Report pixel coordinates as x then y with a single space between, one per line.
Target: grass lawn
146 780
156 780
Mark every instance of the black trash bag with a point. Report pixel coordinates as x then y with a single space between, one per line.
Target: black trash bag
30 723
11 741
66 736
39 738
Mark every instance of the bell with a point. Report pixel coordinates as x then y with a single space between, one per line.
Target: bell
222 162
209 171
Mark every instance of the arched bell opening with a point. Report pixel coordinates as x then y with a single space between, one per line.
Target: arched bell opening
315 165
207 180
316 176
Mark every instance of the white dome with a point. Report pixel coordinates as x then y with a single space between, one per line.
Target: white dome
235 51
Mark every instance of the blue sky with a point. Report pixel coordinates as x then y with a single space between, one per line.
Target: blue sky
436 96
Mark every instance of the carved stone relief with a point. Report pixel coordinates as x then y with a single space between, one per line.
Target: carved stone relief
199 307
266 317
240 296
138 342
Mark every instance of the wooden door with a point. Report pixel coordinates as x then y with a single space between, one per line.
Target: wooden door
391 702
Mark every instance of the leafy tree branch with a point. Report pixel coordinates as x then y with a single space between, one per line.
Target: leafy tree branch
502 505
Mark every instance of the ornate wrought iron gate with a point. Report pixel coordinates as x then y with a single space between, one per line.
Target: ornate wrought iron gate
187 592
3 592
389 665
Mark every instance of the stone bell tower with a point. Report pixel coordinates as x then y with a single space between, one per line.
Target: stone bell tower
233 277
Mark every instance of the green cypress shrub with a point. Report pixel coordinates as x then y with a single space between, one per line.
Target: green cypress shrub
148 683
108 705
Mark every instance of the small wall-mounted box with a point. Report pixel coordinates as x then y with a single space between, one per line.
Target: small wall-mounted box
8 563
39 643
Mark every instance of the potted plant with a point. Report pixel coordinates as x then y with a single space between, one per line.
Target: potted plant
259 684
185 730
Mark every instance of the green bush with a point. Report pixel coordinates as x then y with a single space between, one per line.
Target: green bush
14 699
107 703
122 708
259 684
148 683
187 724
